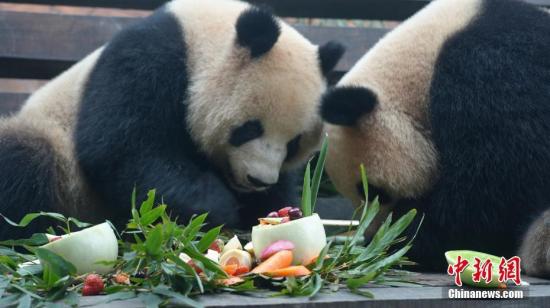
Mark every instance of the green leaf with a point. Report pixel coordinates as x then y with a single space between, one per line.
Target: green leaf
147 205
188 268
36 239
150 300
78 223
370 213
10 300
318 173
151 216
358 282
208 238
27 219
364 293
25 301
175 297
321 258
153 243
317 285
208 264
194 225
4 283
55 263
306 192
365 183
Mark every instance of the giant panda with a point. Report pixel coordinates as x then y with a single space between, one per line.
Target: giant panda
210 102
450 114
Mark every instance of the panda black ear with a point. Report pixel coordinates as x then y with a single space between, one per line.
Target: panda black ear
329 55
345 105
257 30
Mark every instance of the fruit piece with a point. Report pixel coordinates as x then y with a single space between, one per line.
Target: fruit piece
217 245
85 248
184 257
284 211
194 265
273 215
236 256
276 247
230 269
54 238
230 281
307 235
279 260
213 255
271 221
233 243
250 248
122 278
93 285
466 275
241 270
291 271
295 213
285 219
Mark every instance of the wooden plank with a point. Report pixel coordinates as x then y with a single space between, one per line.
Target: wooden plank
11 102
14 92
40 46
432 293
347 9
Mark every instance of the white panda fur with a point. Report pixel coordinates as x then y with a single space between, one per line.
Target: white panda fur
401 111
83 141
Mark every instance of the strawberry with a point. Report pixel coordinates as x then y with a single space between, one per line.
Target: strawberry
284 211
93 285
194 266
217 245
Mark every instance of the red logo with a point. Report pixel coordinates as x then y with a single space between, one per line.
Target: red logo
457 268
508 269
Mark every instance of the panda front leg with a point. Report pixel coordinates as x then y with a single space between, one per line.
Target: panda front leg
186 188
535 247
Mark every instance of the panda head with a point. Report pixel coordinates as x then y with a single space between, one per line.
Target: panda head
254 92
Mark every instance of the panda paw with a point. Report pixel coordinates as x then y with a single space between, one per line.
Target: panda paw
535 249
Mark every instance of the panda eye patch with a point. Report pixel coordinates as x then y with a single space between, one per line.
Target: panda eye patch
292 147
248 131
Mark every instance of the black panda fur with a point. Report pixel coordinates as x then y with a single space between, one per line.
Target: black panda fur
490 123
131 131
473 153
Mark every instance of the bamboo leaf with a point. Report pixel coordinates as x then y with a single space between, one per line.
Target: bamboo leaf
153 243
58 266
151 215
147 205
318 174
36 239
306 192
27 219
208 238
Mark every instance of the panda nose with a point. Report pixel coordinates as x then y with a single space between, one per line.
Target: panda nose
257 182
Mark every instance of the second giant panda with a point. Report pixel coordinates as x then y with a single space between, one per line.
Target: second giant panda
211 102
450 114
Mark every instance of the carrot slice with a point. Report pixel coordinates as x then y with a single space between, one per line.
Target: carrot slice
230 269
241 270
291 271
279 260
